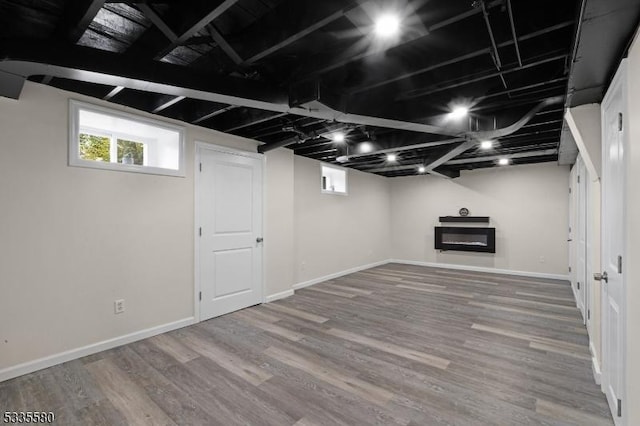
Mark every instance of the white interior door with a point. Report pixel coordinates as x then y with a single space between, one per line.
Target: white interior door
573 208
230 234
613 238
581 237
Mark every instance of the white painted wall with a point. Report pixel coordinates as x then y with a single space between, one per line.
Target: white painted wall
528 206
279 232
338 232
72 240
632 271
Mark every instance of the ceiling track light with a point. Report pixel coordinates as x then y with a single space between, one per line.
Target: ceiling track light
422 169
504 161
392 158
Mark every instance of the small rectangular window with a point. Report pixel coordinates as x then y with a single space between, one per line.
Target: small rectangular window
334 180
108 139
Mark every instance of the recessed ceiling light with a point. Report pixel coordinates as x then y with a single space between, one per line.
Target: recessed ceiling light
503 161
392 157
421 169
365 147
486 144
459 112
338 137
387 25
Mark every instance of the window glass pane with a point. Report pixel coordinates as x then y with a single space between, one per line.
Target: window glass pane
334 180
96 148
116 140
130 152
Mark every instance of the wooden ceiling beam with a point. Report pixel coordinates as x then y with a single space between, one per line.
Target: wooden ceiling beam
78 16
223 44
150 13
300 28
325 63
218 10
474 54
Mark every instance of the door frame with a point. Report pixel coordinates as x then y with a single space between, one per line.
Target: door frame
196 225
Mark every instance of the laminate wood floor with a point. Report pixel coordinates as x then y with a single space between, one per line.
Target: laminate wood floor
392 345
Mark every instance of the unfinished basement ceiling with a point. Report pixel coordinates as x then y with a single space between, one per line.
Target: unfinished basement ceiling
296 72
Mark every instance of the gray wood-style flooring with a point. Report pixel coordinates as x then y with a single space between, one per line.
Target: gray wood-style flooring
393 345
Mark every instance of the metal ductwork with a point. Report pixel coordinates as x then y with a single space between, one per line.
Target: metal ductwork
468 140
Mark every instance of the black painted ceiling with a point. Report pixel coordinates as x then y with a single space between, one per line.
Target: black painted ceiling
294 72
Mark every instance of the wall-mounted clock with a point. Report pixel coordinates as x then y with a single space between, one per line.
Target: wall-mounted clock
464 211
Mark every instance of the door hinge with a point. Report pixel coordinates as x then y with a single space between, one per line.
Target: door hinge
200 166
588 314
619 408
578 285
619 121
619 264
569 190
200 296
200 231
578 179
569 268
569 229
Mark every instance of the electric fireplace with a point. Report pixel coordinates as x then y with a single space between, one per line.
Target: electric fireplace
465 239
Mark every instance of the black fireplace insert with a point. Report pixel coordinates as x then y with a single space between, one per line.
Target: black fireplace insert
465 239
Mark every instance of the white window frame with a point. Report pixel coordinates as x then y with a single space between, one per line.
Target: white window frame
74 137
346 180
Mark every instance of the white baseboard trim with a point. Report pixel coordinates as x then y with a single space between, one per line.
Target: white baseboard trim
49 361
595 364
278 296
338 274
482 269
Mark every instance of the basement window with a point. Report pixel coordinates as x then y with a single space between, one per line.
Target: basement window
103 138
334 180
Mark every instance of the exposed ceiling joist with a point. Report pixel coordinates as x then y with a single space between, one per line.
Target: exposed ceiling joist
213 113
483 76
224 45
157 21
458 59
309 23
166 102
79 14
113 92
221 8
256 118
325 63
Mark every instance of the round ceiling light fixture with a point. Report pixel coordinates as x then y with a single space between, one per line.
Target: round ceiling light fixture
387 25
392 158
459 112
486 144
365 147
421 169
338 137
504 161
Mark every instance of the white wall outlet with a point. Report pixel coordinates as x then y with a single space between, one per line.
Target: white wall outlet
118 306
542 259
